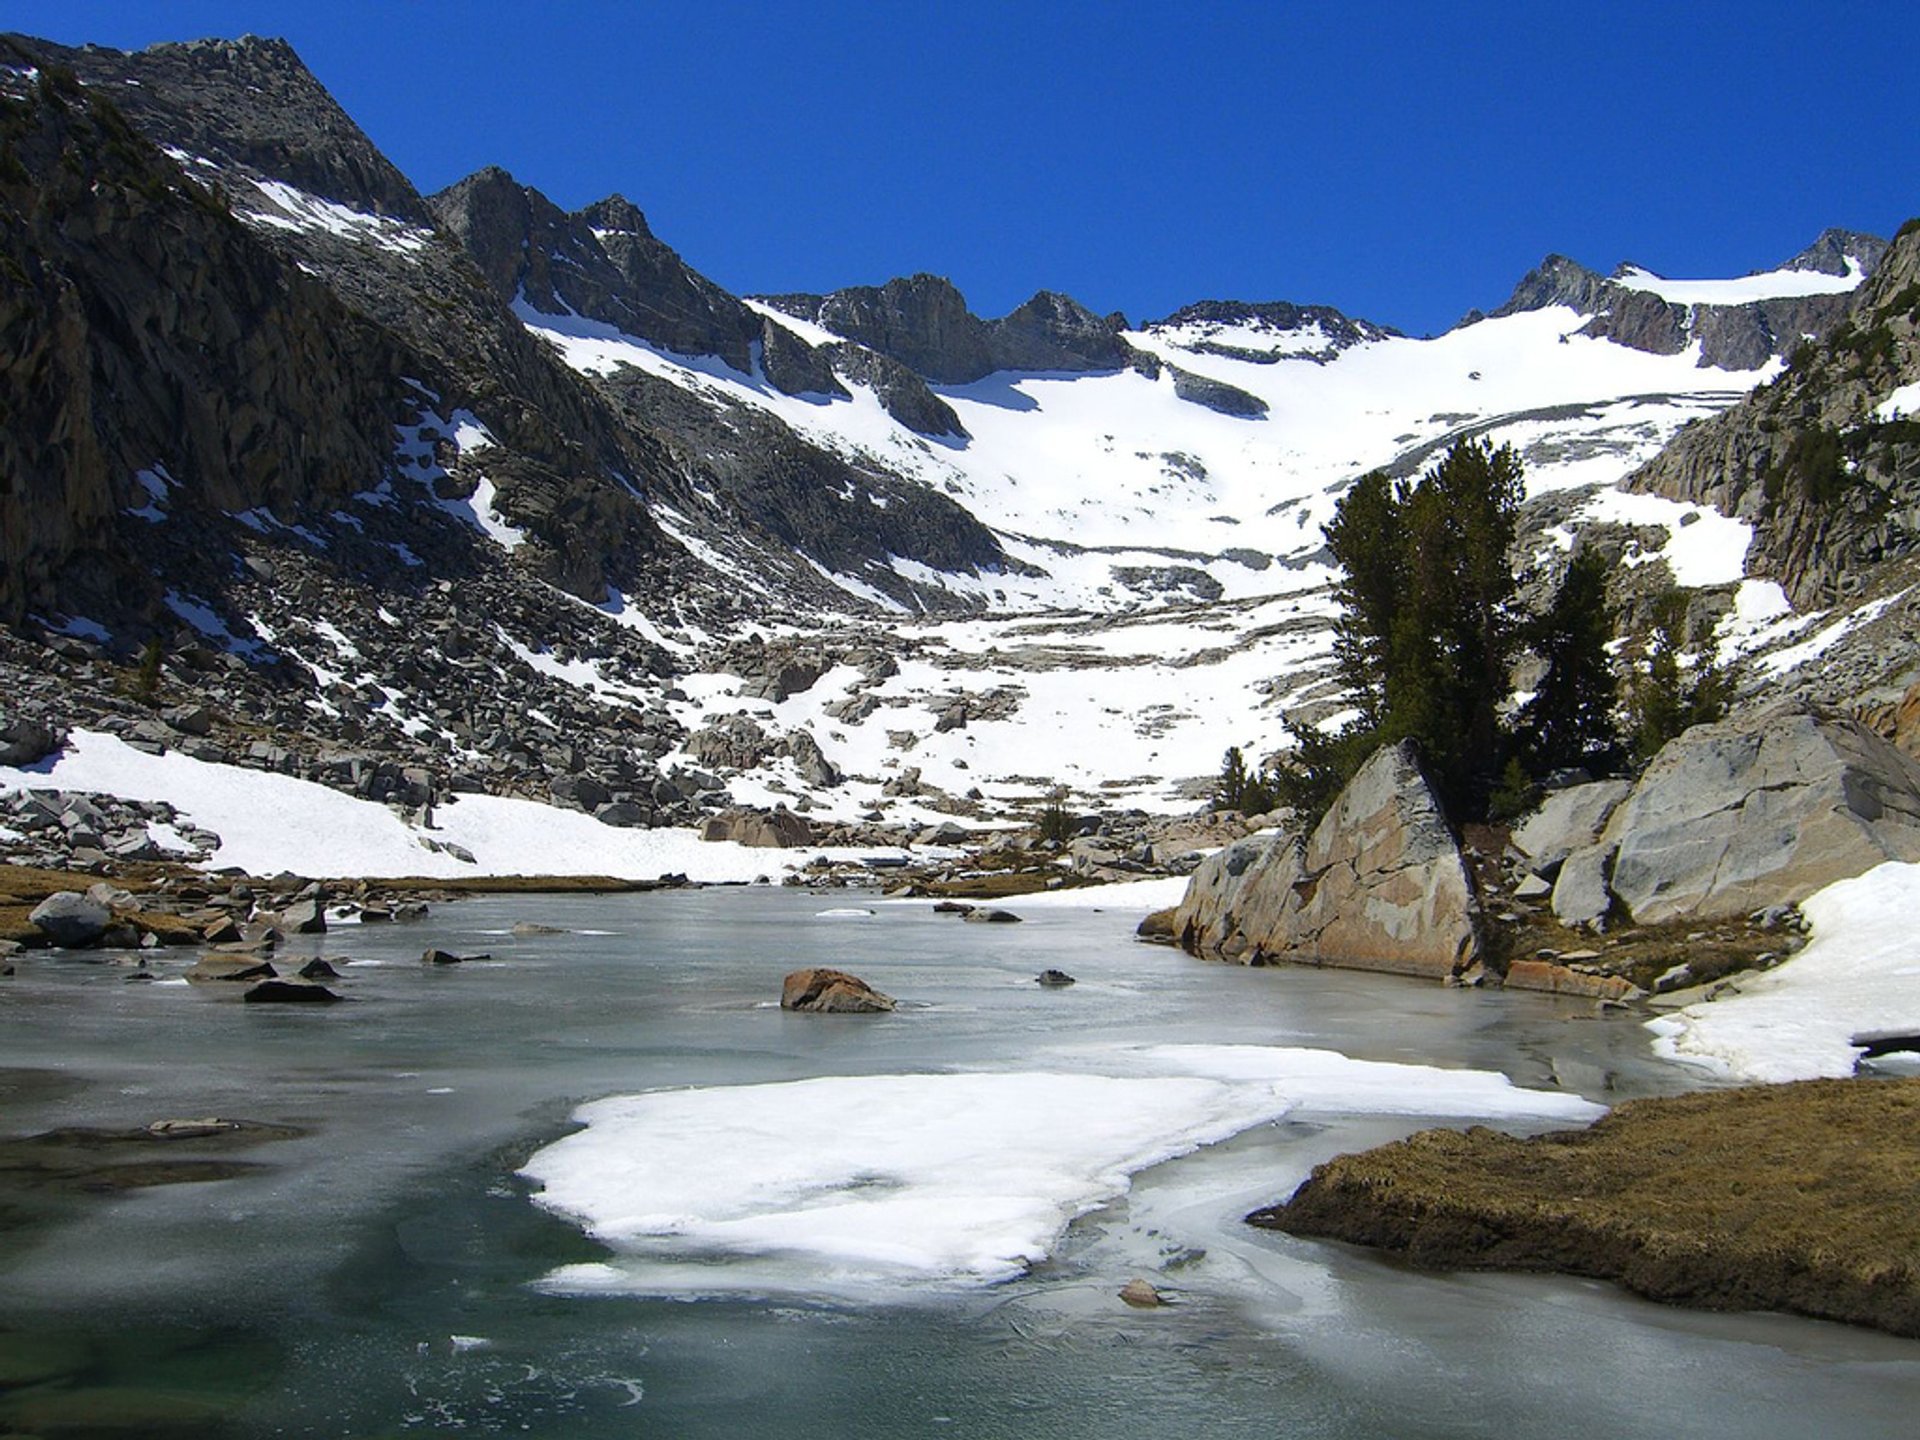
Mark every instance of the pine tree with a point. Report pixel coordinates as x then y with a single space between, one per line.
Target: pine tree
1668 697
1570 719
1429 625
1239 788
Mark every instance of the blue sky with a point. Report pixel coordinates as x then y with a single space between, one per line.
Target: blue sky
1402 161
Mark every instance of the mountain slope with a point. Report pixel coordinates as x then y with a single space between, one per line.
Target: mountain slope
573 523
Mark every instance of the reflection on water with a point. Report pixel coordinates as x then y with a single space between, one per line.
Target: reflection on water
377 1278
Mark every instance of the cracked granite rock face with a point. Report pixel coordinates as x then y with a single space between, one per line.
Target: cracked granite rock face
1760 811
1378 885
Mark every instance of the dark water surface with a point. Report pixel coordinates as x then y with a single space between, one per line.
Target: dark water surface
376 1276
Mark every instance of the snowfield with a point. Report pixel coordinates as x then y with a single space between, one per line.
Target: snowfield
1087 475
270 823
1858 977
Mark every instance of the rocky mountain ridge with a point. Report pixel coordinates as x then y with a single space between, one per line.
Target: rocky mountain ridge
1733 330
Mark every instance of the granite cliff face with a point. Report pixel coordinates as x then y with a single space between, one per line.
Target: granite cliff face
602 262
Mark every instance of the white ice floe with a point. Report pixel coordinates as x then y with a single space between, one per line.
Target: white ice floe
268 823
891 1183
1859 975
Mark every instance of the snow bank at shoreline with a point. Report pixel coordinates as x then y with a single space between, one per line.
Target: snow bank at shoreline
268 823
1859 975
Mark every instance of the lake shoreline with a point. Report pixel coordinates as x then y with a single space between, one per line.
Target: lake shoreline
1794 1197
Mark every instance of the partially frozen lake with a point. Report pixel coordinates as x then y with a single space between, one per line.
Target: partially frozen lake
602 1185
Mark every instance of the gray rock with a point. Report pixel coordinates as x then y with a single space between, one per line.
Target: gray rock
189 719
1378 885
288 992
622 813
1762 810
1581 895
26 742
1568 820
70 919
990 917
304 917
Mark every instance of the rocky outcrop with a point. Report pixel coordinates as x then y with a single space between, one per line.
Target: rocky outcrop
1731 337
603 262
1755 812
759 829
1056 332
1287 331
901 393
923 322
1217 395
831 992
1566 821
1378 885
1829 480
146 328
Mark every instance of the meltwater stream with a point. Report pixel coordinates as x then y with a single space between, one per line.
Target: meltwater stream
602 1185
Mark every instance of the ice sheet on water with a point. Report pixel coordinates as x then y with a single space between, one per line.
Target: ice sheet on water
884 1183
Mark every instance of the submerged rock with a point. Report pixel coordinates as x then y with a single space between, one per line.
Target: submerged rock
437 956
1054 979
831 992
288 992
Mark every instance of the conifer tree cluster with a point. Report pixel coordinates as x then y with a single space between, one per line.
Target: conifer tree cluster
1430 627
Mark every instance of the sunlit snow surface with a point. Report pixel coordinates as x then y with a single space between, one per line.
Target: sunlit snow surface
1859 975
896 1183
1768 285
269 823
1083 473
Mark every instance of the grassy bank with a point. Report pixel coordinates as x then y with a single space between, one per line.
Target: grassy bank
1803 1197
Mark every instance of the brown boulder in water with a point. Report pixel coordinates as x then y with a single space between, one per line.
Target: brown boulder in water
831 992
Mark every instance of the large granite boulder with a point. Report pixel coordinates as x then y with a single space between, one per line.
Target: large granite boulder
1761 810
1568 820
831 992
760 829
26 742
70 919
1378 885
